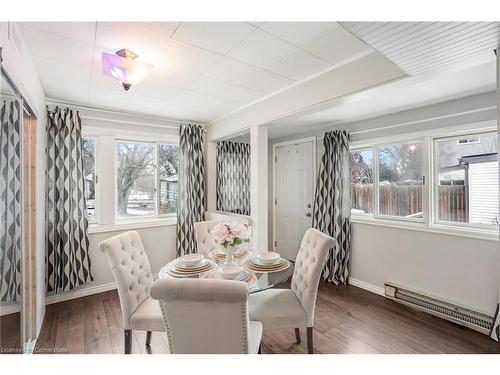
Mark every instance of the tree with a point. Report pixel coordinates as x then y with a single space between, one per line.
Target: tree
135 162
361 171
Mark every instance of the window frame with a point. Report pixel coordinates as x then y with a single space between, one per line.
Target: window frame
428 225
96 180
435 182
376 180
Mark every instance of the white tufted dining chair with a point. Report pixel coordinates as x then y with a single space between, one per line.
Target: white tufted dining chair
204 238
132 272
294 308
207 316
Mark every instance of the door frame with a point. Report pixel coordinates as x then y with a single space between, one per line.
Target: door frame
297 141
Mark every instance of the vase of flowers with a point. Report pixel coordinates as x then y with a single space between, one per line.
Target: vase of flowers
230 236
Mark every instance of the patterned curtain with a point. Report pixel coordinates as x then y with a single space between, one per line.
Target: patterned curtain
495 329
10 201
233 177
191 203
67 244
332 203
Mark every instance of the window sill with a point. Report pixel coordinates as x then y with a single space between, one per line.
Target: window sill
422 227
120 226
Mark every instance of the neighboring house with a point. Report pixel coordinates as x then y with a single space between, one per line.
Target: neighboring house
472 163
168 188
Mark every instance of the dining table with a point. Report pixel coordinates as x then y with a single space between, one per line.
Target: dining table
261 280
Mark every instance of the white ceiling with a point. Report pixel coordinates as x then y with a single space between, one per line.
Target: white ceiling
462 79
202 70
419 47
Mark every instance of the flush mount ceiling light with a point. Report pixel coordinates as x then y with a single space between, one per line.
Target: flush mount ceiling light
124 67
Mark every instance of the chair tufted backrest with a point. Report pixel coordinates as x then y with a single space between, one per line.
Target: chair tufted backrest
308 266
131 270
204 238
204 315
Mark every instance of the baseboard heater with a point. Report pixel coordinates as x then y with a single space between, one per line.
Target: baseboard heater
438 307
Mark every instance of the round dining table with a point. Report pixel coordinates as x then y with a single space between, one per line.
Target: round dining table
264 280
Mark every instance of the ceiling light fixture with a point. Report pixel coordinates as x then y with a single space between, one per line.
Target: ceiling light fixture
124 67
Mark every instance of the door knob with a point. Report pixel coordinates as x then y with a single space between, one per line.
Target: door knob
308 214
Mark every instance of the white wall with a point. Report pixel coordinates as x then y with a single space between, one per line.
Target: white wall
460 269
19 66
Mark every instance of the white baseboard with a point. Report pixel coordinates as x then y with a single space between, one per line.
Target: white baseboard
6 310
367 286
56 298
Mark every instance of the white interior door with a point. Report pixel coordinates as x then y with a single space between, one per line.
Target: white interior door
294 178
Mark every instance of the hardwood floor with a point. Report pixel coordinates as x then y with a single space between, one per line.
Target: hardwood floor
348 320
10 334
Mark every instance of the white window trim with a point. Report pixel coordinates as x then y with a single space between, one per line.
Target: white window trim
428 194
136 224
119 224
434 187
96 179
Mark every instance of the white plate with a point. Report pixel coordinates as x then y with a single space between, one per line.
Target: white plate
269 258
258 262
182 265
191 260
230 271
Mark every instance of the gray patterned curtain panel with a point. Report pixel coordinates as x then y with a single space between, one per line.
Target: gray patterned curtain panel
67 244
233 177
332 203
495 329
10 201
191 201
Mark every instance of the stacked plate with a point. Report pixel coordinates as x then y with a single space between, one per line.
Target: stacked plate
181 269
265 265
219 254
244 275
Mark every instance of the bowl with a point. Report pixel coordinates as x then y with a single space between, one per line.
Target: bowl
191 260
230 271
269 258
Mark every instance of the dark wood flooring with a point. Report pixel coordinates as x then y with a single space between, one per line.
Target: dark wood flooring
348 320
10 334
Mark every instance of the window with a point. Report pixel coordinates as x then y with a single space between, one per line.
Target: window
142 189
168 162
135 179
398 168
466 181
89 176
400 180
362 192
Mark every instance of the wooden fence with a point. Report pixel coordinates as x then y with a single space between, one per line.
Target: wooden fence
405 200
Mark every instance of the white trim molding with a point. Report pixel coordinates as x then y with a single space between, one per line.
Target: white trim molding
367 286
121 226
83 292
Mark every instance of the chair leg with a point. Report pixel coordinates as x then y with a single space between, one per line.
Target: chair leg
148 339
310 349
260 349
128 341
297 335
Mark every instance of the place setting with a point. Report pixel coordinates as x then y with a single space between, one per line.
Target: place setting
232 272
267 262
221 255
190 265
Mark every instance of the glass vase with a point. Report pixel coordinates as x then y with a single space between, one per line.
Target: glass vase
230 251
